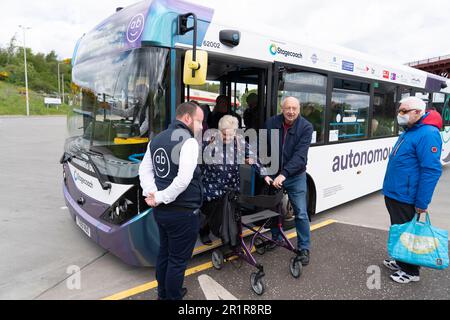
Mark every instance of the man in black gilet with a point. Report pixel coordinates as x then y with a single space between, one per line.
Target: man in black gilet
171 182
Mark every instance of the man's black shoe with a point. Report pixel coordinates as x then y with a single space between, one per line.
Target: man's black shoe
304 257
204 238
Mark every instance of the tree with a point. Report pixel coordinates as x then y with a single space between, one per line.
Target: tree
210 87
12 48
42 68
3 57
51 57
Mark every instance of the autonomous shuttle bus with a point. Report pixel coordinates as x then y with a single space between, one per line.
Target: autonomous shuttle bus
133 69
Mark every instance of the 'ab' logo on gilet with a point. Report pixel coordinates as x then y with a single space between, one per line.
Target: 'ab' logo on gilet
161 163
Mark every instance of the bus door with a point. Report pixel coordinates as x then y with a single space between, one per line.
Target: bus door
236 80
252 111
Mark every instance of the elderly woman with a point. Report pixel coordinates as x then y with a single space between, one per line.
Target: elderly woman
223 154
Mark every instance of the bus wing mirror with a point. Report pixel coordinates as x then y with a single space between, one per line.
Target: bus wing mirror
195 70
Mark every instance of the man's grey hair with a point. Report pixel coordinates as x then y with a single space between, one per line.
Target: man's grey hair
289 98
414 103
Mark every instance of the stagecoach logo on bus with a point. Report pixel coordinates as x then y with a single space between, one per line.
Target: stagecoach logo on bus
82 180
274 50
135 28
161 162
314 58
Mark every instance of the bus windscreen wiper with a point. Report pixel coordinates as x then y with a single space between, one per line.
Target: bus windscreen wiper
106 185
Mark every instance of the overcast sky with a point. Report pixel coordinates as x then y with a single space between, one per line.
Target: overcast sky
397 30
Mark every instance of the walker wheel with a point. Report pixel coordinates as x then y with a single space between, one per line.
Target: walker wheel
296 268
217 259
257 284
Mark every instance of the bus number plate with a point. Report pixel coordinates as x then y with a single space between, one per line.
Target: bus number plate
83 227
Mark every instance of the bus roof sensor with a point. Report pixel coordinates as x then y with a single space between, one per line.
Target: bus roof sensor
230 38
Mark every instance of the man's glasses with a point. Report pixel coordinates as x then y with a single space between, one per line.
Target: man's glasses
403 111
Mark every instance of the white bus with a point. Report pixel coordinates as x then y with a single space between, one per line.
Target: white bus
130 69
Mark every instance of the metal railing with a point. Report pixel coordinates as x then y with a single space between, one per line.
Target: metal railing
426 61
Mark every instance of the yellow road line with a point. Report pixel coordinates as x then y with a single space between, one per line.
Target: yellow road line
134 291
153 284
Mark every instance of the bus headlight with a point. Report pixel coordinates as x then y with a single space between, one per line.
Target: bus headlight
122 208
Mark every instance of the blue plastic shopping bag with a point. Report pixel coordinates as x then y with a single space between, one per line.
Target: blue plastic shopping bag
419 243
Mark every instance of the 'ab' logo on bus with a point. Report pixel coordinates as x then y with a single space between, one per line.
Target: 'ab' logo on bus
161 162
135 28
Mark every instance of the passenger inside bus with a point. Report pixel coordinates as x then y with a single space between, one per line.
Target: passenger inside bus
251 113
206 112
314 115
141 109
221 109
380 130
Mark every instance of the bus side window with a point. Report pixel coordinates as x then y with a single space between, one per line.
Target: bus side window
438 101
311 89
384 115
349 110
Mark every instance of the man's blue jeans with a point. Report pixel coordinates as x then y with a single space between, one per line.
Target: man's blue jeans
296 189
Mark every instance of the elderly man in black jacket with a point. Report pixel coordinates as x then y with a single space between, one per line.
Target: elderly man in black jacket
295 138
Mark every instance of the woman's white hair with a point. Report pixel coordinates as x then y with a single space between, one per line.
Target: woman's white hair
414 103
228 122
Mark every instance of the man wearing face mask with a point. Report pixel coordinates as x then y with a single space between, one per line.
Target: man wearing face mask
413 172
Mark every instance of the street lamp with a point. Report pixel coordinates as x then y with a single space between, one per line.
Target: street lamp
26 74
62 85
59 82
65 61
